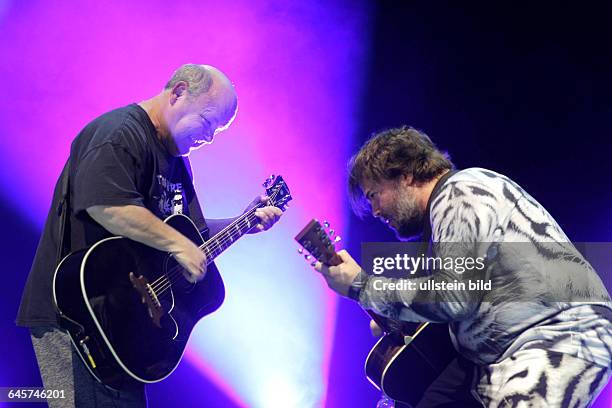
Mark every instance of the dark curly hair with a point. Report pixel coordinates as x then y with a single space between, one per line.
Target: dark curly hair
389 154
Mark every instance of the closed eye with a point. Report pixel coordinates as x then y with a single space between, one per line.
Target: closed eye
206 121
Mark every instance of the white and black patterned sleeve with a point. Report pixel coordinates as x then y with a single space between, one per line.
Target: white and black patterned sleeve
464 217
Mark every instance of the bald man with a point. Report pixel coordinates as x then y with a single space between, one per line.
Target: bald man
127 171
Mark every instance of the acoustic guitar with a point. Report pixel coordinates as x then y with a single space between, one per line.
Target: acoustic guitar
409 356
128 308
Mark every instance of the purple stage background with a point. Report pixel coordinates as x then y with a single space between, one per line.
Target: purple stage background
297 68
282 339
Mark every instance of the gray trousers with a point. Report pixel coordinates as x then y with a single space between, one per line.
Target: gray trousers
62 369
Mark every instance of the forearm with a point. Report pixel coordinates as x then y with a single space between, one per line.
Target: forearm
215 225
404 299
138 224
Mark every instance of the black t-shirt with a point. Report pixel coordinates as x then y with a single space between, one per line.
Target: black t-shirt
116 159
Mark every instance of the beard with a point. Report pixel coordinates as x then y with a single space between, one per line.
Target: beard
407 218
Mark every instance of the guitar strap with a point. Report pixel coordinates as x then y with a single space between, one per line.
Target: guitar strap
63 239
193 203
63 211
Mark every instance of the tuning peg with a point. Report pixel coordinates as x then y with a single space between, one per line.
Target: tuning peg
331 232
300 250
337 239
326 224
313 263
307 257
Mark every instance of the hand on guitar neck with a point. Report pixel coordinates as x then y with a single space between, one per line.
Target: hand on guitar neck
339 269
267 215
340 273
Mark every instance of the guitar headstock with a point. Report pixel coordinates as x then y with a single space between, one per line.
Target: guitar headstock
317 240
277 191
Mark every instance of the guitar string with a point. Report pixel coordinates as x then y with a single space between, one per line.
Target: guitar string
168 279
164 282
219 243
215 243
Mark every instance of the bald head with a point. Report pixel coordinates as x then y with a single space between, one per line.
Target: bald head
222 92
203 79
210 83
198 102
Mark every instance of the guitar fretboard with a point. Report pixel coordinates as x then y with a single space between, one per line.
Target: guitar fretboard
230 234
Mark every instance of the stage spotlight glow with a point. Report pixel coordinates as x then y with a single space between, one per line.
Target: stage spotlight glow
296 68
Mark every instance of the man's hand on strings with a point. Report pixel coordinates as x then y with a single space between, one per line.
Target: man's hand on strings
192 259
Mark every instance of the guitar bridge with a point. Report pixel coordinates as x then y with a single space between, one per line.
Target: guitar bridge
148 297
153 296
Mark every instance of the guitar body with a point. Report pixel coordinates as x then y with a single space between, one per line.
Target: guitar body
404 367
126 322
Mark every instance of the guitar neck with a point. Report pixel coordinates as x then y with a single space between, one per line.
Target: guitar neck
230 234
319 245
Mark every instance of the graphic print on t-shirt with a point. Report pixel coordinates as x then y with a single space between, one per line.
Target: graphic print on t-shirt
170 199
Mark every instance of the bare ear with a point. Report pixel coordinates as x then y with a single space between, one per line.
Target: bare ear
178 90
407 179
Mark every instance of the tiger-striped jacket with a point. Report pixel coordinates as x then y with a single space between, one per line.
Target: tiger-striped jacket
542 291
